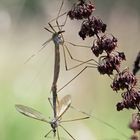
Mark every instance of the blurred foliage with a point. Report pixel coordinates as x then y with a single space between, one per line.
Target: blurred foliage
32 8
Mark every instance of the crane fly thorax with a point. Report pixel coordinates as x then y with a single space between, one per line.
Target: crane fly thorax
57 38
54 124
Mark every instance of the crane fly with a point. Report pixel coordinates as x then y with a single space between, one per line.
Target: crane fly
62 106
58 40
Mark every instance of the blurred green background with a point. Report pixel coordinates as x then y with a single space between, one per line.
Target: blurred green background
22 34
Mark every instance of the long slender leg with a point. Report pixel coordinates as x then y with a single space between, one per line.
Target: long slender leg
65 21
58 134
76 45
49 99
72 56
59 27
75 77
48 133
56 20
58 17
60 9
48 30
78 119
51 27
67 132
82 62
101 121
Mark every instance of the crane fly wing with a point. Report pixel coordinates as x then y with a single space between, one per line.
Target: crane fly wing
45 43
43 46
63 105
30 112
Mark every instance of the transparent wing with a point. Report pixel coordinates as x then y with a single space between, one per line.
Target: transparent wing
43 46
30 112
63 105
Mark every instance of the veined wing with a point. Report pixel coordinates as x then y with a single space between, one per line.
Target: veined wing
63 105
43 46
30 112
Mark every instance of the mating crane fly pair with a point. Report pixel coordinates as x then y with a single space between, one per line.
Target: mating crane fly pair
59 107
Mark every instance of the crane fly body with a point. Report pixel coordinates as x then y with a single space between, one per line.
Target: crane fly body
58 40
62 107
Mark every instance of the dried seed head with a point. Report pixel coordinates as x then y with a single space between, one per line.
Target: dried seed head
135 123
131 99
91 27
124 80
136 64
134 137
110 63
81 10
120 106
105 43
122 55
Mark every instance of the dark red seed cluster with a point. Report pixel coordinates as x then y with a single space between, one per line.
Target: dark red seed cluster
104 47
104 43
136 64
110 63
91 27
134 137
81 10
131 99
124 80
135 123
